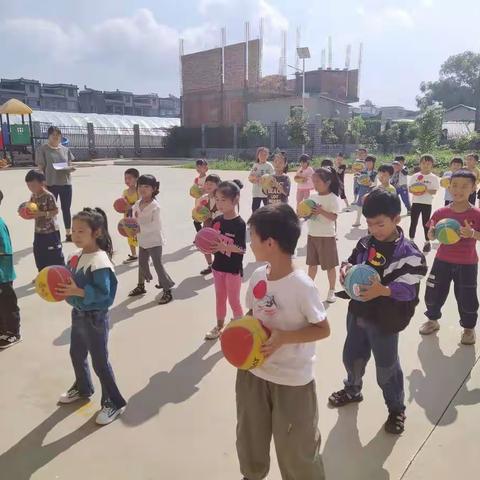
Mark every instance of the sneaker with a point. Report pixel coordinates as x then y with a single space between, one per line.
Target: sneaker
207 271
331 298
108 414
7 341
468 336
167 297
395 423
214 333
427 247
429 327
130 259
71 396
138 290
68 238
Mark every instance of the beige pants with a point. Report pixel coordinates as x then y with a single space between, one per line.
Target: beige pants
290 414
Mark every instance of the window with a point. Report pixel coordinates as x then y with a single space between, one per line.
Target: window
32 88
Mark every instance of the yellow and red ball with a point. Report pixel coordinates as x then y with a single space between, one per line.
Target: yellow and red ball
49 279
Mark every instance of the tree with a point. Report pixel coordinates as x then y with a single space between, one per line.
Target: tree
356 128
429 127
389 137
255 132
328 132
298 127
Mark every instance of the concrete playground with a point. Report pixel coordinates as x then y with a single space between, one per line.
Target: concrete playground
180 420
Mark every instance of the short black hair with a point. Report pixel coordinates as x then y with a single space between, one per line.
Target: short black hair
386 168
380 202
1 196
201 162
474 156
35 176
213 177
330 177
427 158
458 160
340 154
150 181
371 158
464 173
53 129
230 189
362 149
304 158
278 222
399 158
133 172
326 162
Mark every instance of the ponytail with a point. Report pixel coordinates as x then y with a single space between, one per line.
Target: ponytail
330 177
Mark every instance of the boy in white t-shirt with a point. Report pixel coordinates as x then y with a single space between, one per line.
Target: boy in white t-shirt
422 204
279 397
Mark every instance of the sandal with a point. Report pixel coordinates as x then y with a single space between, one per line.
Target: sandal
395 423
138 290
167 297
342 397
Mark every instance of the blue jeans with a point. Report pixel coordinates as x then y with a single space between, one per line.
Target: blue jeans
404 195
363 338
90 335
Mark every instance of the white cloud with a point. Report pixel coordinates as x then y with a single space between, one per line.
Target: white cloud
386 18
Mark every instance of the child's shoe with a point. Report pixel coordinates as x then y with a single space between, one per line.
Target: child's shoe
342 397
70 396
427 247
468 336
331 298
429 327
167 297
395 423
206 271
138 290
7 340
214 333
130 259
108 414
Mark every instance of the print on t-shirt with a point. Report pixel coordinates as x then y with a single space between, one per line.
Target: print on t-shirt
265 303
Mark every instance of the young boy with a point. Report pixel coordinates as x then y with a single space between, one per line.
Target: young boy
400 181
457 262
9 311
130 194
47 245
385 173
341 168
471 162
362 190
201 166
374 324
422 204
362 154
279 397
455 164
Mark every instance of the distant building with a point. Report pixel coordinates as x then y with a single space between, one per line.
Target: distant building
460 113
389 113
27 91
169 106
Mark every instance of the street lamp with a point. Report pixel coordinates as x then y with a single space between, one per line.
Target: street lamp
303 53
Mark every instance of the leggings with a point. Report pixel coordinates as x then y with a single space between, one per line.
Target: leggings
65 194
426 211
144 254
227 286
257 201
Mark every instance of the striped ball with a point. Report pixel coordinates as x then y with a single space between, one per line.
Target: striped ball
305 207
447 231
266 181
299 179
196 191
201 213
49 279
206 238
128 227
445 181
357 167
418 189
364 179
359 276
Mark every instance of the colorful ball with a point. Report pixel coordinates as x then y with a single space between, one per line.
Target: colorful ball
358 166
359 276
241 342
266 181
128 227
364 179
418 189
121 205
49 279
445 181
201 213
447 231
299 179
26 209
196 191
305 207
206 238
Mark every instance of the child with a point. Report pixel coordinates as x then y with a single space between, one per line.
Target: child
261 167
130 194
341 168
457 262
373 325
279 397
321 243
400 181
471 162
150 239
201 166
210 187
91 293
47 245
385 173
455 164
422 204
227 266
9 311
305 171
363 190
362 154
326 162
280 190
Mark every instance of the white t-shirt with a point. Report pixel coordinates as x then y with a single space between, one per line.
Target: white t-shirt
290 303
151 234
319 225
432 183
258 170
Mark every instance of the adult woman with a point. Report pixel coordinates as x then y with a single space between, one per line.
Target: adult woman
55 160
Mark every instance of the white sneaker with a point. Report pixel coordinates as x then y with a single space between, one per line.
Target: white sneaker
468 336
71 396
214 333
331 298
429 327
108 414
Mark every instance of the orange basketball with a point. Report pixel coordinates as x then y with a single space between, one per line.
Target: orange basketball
26 209
49 279
121 205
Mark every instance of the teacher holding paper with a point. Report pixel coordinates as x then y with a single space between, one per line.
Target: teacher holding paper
55 161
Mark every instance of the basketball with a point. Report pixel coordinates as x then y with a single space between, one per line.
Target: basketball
128 227
299 179
241 342
266 182
417 189
445 181
447 231
196 191
201 213
26 209
121 205
49 279
205 239
304 208
359 276
357 167
364 179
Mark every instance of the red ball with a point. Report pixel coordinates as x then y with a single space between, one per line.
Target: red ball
128 227
49 279
121 205
206 238
26 209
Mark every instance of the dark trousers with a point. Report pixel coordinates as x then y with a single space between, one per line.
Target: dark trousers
9 311
47 250
363 339
464 279
402 192
257 202
90 335
65 194
425 211
473 198
197 225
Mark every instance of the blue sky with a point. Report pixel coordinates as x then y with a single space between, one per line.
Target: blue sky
133 44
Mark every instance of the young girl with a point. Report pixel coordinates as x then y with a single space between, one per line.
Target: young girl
91 292
201 166
321 243
227 266
341 168
280 189
305 171
130 194
150 240
210 187
261 167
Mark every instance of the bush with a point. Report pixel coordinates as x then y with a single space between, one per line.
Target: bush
429 128
255 133
467 142
297 125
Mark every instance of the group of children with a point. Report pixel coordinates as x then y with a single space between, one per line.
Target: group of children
278 398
